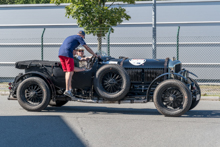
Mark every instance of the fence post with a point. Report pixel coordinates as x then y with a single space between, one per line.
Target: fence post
109 31
177 43
42 44
154 41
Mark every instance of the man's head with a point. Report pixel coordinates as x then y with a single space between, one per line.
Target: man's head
80 52
82 34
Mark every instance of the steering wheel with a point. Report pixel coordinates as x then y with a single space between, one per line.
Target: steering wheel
91 62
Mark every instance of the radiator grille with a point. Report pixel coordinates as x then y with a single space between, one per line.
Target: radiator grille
151 74
144 75
135 75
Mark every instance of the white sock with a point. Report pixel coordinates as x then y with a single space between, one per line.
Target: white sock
68 91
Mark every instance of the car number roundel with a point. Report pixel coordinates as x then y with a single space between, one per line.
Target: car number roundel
137 62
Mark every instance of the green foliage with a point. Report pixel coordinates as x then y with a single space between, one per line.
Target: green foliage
24 1
44 1
94 16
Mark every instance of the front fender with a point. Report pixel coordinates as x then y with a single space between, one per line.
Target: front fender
162 75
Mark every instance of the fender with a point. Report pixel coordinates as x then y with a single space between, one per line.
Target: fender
44 77
149 87
182 71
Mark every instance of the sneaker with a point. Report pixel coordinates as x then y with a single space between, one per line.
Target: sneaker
69 94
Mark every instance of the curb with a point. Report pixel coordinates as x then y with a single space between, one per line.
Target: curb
210 98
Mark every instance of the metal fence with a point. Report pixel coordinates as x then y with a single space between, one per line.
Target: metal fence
198 54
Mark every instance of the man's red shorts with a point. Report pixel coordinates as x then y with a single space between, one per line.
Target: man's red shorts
67 63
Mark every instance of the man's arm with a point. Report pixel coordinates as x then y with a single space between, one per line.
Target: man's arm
90 50
77 69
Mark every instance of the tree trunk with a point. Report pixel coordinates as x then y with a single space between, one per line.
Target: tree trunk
99 44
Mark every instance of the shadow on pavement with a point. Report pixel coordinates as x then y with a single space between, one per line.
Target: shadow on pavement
129 111
37 131
102 110
203 113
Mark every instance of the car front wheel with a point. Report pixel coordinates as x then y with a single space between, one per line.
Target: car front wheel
172 98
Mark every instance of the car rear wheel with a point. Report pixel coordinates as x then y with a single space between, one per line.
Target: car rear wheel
172 98
112 82
57 103
33 94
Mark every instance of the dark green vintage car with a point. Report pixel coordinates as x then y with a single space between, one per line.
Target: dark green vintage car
108 80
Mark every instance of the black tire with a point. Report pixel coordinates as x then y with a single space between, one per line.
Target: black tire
57 103
172 98
112 82
194 101
33 94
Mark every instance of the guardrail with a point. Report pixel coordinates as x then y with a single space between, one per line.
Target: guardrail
139 24
147 43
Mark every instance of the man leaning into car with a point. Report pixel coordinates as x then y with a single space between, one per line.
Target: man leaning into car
66 58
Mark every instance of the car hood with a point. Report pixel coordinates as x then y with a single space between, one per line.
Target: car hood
138 63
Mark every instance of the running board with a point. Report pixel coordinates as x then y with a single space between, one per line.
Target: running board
103 101
111 102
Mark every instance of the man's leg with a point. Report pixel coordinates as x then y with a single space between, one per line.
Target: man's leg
68 78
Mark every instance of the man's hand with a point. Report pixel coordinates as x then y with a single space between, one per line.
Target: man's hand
97 56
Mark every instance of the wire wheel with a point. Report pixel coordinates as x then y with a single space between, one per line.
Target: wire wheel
112 82
34 94
172 98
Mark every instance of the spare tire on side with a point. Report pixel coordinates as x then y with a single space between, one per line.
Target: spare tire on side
33 94
172 98
112 82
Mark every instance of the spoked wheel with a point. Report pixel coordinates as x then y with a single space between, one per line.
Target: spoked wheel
172 98
112 82
33 94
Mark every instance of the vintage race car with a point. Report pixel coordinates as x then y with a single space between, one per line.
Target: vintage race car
108 80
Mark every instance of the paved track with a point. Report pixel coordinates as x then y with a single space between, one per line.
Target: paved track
108 125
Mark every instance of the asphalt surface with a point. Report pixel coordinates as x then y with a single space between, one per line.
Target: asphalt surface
108 125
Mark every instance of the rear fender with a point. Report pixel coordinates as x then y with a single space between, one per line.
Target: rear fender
44 77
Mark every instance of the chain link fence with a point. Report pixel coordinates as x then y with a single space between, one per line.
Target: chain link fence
199 54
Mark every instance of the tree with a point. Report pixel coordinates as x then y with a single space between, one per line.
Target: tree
24 1
94 16
39 1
